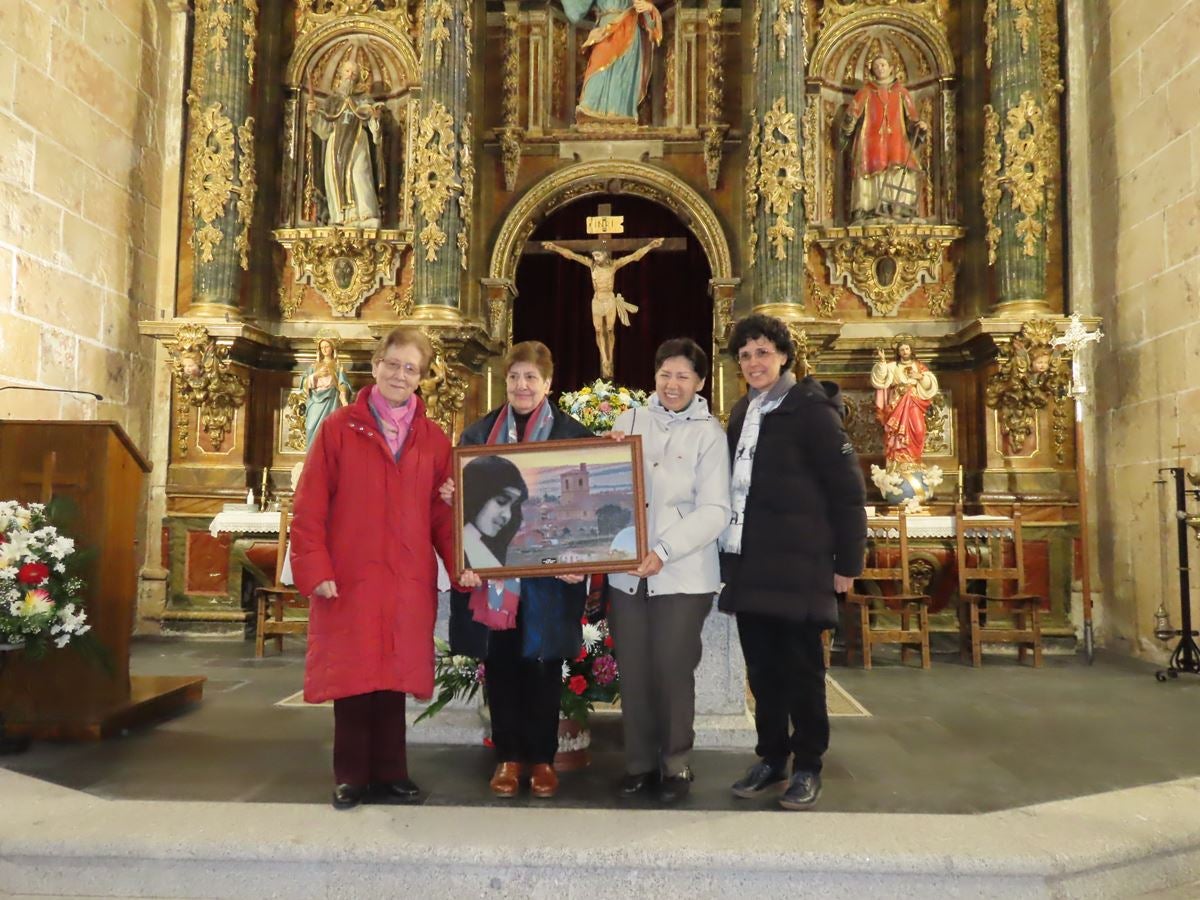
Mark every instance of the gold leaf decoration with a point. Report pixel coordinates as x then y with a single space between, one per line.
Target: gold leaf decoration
439 34
246 191
203 381
858 263
990 13
785 11
466 170
344 266
210 175
250 29
1024 168
433 174
1033 374
753 164
780 177
990 179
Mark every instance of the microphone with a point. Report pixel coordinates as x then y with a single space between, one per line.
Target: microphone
49 390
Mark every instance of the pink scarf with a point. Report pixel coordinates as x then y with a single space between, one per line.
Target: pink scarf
394 421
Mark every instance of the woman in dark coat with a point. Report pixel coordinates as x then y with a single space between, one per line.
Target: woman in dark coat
796 538
524 653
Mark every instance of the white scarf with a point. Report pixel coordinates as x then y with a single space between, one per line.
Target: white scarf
743 460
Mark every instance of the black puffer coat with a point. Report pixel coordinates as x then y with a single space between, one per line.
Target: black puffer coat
804 516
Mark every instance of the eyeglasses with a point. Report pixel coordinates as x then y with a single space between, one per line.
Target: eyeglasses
395 368
763 354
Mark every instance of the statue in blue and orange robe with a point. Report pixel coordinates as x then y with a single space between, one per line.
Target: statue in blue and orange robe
620 48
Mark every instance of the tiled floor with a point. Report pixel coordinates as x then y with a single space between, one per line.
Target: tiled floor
950 740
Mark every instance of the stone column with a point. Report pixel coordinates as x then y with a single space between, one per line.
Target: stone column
1017 164
444 169
220 183
774 176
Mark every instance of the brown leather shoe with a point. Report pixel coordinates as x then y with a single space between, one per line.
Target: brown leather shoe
507 779
543 782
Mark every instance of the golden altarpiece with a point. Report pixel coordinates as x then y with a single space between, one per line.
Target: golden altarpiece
874 172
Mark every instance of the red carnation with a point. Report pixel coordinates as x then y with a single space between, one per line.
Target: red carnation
33 573
608 641
577 684
582 654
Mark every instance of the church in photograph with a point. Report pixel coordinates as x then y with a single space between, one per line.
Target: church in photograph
979 219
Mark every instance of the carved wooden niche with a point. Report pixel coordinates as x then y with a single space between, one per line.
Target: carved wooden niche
881 177
350 123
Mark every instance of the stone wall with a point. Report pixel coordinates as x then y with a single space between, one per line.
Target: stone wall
80 186
1142 65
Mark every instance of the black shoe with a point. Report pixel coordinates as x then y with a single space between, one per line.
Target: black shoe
675 787
802 791
403 791
347 796
758 778
632 785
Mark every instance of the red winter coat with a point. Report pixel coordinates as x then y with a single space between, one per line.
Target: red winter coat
370 524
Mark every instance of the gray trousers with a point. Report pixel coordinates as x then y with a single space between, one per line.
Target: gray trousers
658 649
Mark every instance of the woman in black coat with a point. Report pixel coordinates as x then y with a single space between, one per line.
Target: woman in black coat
796 539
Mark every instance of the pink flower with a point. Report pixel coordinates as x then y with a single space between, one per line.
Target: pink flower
480 673
605 406
604 670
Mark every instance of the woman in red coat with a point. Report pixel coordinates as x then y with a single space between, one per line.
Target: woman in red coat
368 519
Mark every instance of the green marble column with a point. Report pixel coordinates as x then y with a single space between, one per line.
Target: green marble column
443 167
774 176
1017 167
220 180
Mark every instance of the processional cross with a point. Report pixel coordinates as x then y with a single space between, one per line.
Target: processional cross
607 305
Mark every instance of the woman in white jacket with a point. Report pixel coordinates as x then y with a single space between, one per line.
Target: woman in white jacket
657 612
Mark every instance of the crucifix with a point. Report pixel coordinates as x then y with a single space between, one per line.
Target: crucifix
607 306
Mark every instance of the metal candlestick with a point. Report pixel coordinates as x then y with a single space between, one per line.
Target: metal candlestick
1186 657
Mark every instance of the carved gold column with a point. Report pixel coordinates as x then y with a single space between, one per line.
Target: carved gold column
443 166
1018 163
220 182
774 176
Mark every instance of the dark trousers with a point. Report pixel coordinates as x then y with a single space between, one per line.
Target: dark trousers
369 739
523 699
785 666
658 649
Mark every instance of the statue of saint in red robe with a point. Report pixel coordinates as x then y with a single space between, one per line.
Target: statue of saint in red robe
885 167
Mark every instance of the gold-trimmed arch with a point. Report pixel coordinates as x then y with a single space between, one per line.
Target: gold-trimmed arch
324 34
930 32
609 177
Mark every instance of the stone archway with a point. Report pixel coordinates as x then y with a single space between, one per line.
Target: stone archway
609 177
586 179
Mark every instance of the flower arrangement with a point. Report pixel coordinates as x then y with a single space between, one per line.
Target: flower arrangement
456 678
40 596
589 678
592 676
598 404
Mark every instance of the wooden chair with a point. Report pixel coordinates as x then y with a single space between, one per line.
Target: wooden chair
997 615
865 611
278 597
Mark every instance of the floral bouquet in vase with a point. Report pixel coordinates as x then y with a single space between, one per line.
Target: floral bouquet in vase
592 676
598 404
41 597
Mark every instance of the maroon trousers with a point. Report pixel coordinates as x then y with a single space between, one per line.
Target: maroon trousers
369 739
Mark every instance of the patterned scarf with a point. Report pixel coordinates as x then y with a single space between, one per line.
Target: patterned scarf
743 459
495 603
394 421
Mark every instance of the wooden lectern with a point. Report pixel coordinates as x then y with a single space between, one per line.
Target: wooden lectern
65 694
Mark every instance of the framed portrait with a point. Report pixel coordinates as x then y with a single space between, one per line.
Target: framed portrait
550 507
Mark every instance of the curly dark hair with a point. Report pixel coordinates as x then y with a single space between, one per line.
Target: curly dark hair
688 349
751 328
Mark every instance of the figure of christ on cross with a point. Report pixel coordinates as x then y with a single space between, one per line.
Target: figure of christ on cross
607 305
